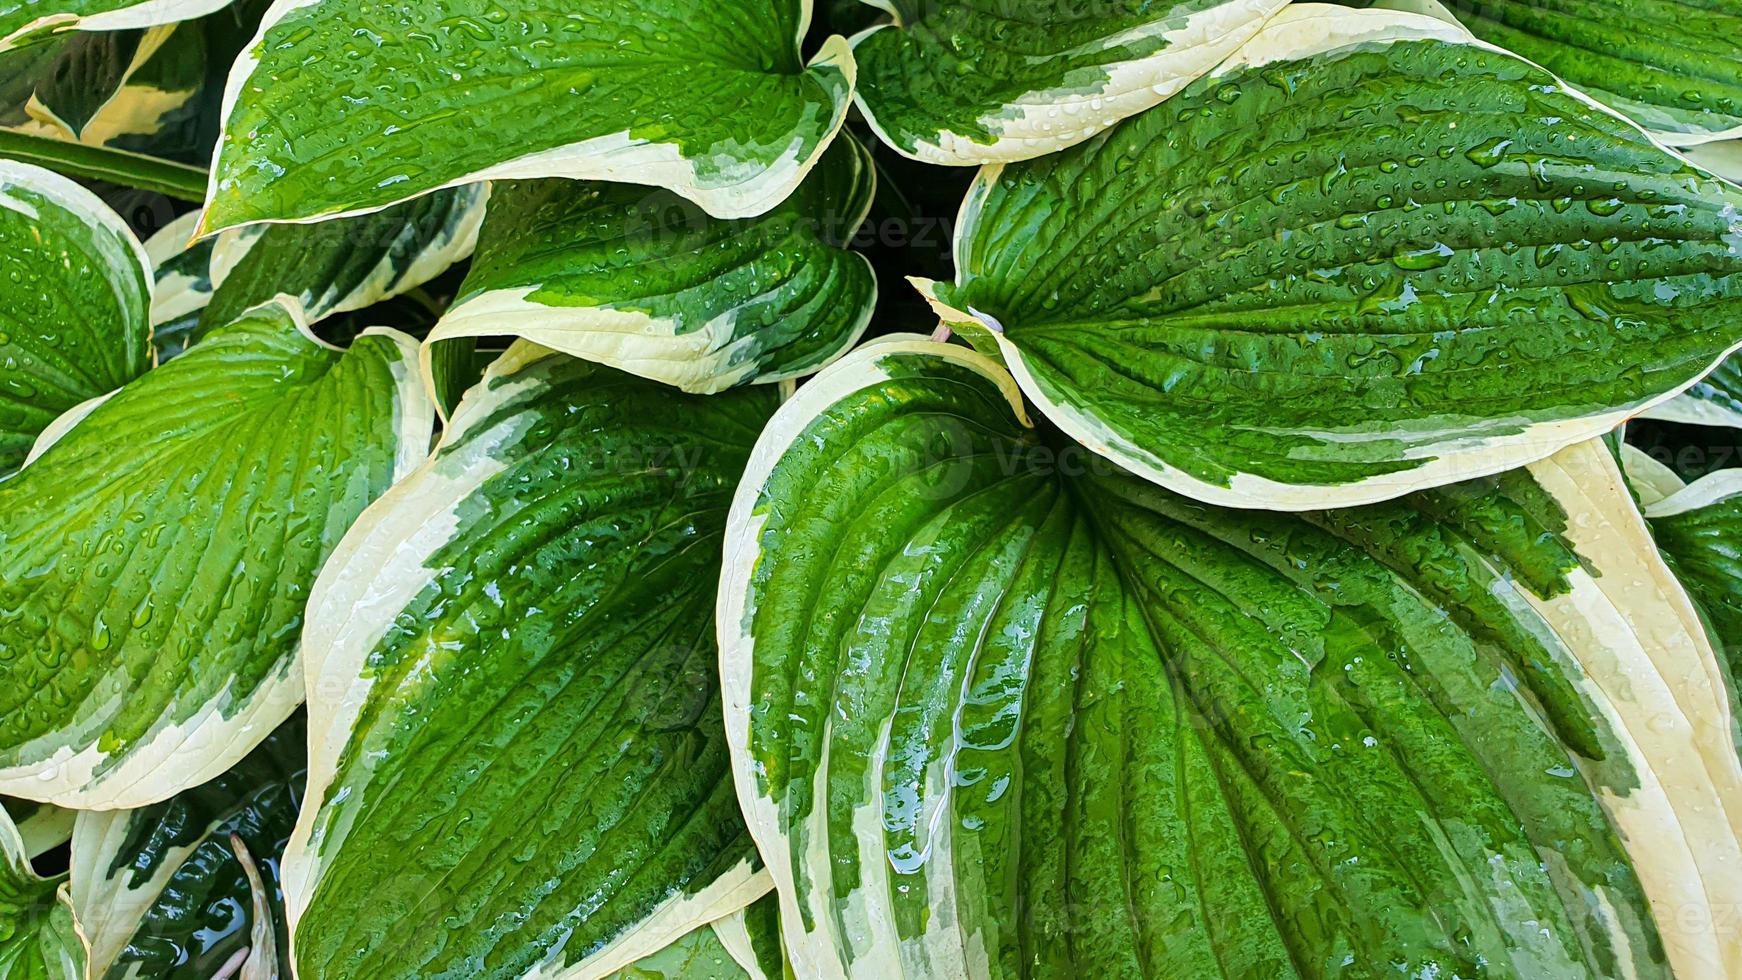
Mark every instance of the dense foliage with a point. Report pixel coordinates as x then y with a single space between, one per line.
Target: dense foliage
713 491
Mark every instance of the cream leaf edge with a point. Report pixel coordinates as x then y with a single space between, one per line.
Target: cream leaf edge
177 756
379 566
618 157
1645 662
1299 31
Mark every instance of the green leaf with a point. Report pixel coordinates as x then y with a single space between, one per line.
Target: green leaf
999 709
127 169
348 264
1715 399
135 90
74 324
647 283
1361 258
37 940
697 955
182 273
341 108
158 892
982 81
742 946
33 21
1699 529
516 745
155 561
331 267
1670 65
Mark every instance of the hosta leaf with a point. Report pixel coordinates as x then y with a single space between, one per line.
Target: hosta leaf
698 955
26 21
37 940
77 293
155 561
720 950
1723 159
515 716
999 709
136 90
1715 399
343 107
331 267
645 282
40 826
347 264
752 936
1670 65
1360 259
182 271
1699 530
976 81
158 891
1649 478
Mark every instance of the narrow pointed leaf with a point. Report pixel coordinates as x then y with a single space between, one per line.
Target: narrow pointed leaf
159 891
74 325
37 939
1360 259
156 560
648 283
999 709
979 81
516 739
343 108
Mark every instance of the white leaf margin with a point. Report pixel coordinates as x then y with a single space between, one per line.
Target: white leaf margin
701 361
378 568
1048 120
618 157
1647 667
147 13
1302 30
176 756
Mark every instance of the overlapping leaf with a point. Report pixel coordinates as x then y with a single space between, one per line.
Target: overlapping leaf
1673 66
341 108
332 267
37 939
135 90
977 81
998 709
155 561
159 892
647 283
720 950
1359 259
1715 399
41 827
516 743
1699 529
77 288
33 21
